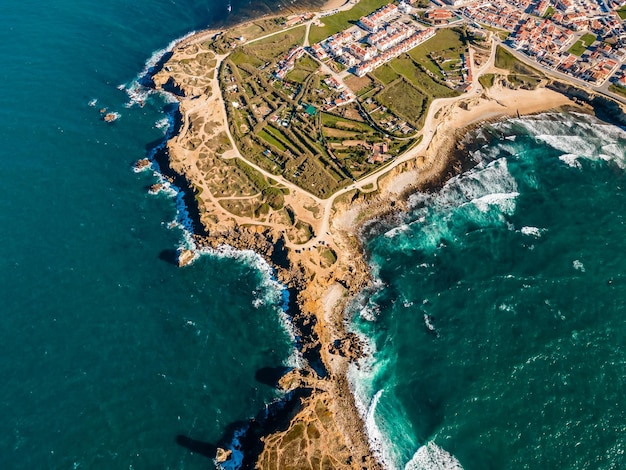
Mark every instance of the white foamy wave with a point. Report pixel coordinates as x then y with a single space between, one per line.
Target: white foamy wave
433 457
370 312
531 231
360 379
162 123
569 144
92 102
505 201
158 55
578 136
397 230
485 194
578 265
571 160
137 93
480 182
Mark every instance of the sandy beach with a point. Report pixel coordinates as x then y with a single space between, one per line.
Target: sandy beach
333 4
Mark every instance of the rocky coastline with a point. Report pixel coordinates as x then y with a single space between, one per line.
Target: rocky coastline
317 422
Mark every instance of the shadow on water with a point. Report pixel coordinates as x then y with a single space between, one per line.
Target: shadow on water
273 418
270 375
205 449
169 256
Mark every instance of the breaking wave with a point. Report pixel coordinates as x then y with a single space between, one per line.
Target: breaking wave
510 174
137 89
433 457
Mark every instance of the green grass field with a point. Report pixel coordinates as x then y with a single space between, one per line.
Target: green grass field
239 57
622 12
406 101
330 120
420 79
582 44
340 21
275 46
486 80
270 139
385 74
446 43
506 60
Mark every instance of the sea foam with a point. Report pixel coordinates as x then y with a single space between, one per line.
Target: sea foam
433 457
136 89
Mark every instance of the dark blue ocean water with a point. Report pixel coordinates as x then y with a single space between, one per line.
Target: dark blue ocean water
108 351
497 317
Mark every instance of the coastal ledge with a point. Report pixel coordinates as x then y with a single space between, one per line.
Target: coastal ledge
314 244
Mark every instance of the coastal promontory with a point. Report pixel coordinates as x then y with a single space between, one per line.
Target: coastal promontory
293 132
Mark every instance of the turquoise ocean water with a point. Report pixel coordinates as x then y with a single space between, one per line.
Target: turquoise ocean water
496 321
108 352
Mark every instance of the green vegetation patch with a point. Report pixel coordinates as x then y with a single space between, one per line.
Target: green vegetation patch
487 80
385 74
506 60
305 66
254 176
523 81
270 139
582 44
297 75
503 34
239 57
622 12
342 20
406 101
274 197
275 46
327 256
414 73
331 120
620 90
280 136
549 12
442 51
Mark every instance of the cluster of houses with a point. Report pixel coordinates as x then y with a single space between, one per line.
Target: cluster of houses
405 46
297 19
288 63
374 21
541 36
346 96
546 30
596 68
497 14
379 37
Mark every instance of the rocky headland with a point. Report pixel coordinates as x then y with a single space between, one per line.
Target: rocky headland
312 243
